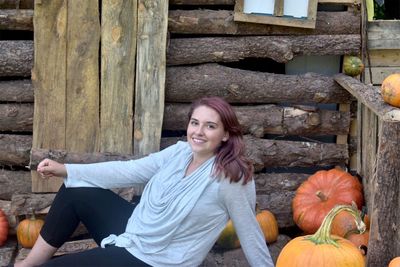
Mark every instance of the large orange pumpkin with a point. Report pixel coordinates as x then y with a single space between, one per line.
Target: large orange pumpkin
320 249
28 230
228 239
3 228
323 190
390 89
395 262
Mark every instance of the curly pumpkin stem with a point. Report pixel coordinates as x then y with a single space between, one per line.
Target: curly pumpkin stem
323 234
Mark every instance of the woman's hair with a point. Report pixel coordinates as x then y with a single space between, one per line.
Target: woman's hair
230 158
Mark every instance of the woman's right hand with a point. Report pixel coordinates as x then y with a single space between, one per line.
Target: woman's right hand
48 168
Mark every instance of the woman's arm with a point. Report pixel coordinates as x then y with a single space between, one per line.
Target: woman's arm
240 202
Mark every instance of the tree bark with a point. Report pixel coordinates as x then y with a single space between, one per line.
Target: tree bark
16 58
282 49
16 117
16 19
22 4
275 192
186 83
221 22
16 91
15 150
263 153
14 182
385 190
271 119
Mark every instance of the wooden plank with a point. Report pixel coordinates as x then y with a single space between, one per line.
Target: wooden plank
118 58
385 58
340 2
278 8
379 74
384 34
370 96
384 234
82 96
150 75
49 80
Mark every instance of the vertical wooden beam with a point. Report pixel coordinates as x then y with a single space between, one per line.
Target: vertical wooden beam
278 8
49 80
384 241
118 52
150 75
82 97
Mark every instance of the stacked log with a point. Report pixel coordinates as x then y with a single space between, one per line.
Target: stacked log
280 114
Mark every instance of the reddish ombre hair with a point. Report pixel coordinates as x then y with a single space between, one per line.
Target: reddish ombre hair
230 159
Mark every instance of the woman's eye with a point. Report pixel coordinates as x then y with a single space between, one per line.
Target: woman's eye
193 123
211 126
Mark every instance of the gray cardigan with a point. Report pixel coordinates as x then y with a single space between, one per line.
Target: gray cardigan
179 218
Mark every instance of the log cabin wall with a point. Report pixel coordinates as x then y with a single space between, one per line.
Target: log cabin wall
294 124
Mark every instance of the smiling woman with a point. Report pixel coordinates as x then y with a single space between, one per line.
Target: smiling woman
192 190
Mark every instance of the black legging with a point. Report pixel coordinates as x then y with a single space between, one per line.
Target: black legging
102 212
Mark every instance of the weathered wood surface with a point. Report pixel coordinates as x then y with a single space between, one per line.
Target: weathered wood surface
150 76
275 192
256 120
15 150
118 58
82 66
221 22
49 78
384 34
13 19
271 119
370 96
378 74
22 4
16 91
16 58
16 117
244 86
14 182
282 49
262 152
384 233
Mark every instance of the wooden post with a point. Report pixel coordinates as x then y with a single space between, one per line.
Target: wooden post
150 75
380 158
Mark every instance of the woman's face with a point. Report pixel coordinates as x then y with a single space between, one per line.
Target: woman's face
205 132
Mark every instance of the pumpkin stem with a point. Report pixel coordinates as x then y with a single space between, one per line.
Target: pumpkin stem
321 196
323 234
32 215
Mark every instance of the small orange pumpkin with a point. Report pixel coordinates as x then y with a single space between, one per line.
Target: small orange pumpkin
3 228
360 240
320 249
352 65
395 262
323 190
390 89
28 230
228 239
